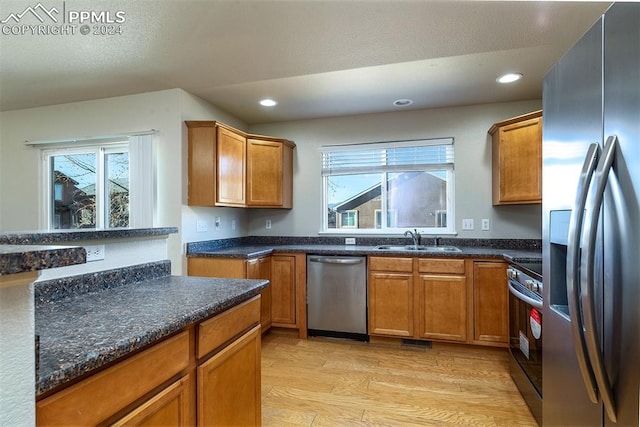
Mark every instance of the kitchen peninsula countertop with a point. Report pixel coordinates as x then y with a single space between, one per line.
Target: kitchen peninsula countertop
83 330
22 258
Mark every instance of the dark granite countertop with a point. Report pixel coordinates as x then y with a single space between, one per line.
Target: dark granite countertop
80 333
46 237
22 258
253 251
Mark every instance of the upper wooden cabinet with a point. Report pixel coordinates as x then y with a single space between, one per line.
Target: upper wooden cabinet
228 167
517 160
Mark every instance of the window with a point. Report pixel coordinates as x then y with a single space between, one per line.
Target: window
109 184
389 187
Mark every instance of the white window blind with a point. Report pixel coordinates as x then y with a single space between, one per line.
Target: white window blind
387 157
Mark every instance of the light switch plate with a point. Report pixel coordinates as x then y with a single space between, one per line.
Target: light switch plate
268 224
467 224
202 226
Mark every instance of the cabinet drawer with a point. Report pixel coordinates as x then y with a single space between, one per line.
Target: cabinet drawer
102 395
391 264
442 266
218 330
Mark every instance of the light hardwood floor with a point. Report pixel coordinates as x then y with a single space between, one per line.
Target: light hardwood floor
325 382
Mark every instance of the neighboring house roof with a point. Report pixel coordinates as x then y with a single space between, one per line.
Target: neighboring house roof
59 176
371 193
121 186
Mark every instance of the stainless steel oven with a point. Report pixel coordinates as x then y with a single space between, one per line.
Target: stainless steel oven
525 332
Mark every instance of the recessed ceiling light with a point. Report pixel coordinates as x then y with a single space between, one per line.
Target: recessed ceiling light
268 102
509 78
402 102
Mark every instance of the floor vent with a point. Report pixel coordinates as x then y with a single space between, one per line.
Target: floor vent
417 343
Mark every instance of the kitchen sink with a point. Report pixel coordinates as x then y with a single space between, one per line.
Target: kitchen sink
419 248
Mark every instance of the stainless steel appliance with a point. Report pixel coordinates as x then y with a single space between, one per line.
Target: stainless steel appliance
591 227
337 296
525 332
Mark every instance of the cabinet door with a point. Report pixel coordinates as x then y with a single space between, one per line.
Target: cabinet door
490 302
230 182
229 384
517 161
391 304
442 312
260 268
264 173
170 407
283 290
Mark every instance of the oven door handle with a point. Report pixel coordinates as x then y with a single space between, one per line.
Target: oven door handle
587 280
522 297
573 270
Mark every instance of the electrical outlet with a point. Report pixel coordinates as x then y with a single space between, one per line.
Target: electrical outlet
202 226
268 224
233 224
94 252
467 224
217 223
350 241
485 224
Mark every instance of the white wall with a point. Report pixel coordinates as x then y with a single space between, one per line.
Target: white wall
20 174
467 125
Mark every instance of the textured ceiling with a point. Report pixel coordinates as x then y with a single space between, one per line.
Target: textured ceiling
316 58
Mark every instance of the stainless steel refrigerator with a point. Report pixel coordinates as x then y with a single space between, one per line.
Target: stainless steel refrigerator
591 227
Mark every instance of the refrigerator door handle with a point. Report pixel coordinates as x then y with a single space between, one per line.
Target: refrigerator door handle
573 270
587 282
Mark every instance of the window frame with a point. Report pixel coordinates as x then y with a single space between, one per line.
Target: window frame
448 167
100 151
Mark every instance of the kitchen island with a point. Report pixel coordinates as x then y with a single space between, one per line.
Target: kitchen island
114 342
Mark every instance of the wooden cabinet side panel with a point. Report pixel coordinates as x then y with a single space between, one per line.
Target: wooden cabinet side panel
230 168
202 166
287 177
264 173
391 304
283 290
490 302
103 395
216 267
260 268
443 307
171 407
229 384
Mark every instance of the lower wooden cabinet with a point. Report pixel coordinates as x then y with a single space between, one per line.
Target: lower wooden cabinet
443 307
283 290
157 387
260 268
229 384
170 407
391 304
439 299
490 302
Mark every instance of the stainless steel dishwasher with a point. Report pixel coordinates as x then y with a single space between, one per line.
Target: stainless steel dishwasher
337 296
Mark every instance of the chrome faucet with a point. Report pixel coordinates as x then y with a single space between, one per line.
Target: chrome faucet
415 236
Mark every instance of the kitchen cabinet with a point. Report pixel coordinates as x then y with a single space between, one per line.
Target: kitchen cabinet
228 167
390 295
285 298
237 268
517 160
214 366
230 181
442 299
490 302
229 380
283 291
